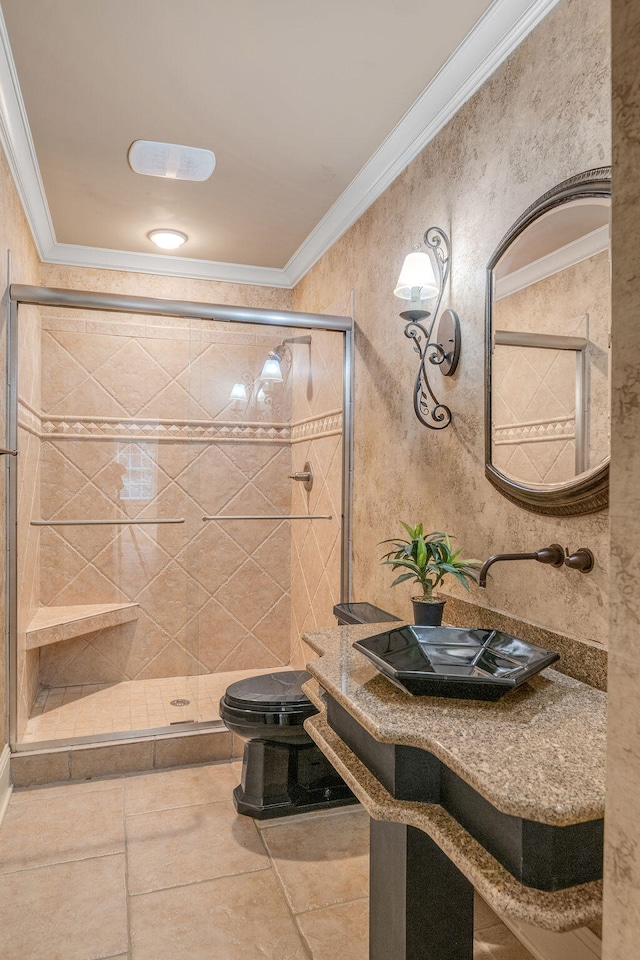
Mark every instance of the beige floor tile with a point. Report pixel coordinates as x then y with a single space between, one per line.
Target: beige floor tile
66 790
322 860
60 829
502 944
481 951
236 766
483 915
184 845
235 918
181 787
341 930
68 911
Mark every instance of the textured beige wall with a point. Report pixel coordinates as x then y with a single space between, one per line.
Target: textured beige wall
542 117
172 288
15 236
622 836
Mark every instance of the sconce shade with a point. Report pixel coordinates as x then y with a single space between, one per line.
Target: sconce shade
238 392
417 271
271 370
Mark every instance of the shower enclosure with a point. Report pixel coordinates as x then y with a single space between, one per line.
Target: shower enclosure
161 546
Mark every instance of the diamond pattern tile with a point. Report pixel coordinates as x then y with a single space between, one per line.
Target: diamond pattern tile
549 399
214 596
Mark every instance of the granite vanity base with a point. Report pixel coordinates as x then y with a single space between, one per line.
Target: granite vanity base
408 872
462 795
283 779
539 855
559 911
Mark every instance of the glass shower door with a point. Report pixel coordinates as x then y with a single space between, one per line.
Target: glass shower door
166 548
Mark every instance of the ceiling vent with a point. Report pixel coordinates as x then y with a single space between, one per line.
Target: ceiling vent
155 159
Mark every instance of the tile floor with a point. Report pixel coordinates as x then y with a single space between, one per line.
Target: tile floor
82 711
158 865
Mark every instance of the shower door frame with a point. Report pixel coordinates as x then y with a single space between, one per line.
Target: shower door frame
185 309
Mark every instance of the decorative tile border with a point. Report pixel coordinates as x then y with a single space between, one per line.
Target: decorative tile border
108 428
325 425
114 428
29 419
559 428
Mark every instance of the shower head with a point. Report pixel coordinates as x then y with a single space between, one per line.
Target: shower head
271 369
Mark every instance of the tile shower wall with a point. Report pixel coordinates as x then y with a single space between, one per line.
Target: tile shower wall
317 438
137 424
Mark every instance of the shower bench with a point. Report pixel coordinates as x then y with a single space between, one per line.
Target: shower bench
53 624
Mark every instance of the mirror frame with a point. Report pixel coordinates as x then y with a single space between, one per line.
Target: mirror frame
588 493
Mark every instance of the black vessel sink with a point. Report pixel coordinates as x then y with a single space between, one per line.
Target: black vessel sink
454 662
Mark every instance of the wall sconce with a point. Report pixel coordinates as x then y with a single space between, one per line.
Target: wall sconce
242 392
417 282
239 392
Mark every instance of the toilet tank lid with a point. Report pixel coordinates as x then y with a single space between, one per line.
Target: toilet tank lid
278 689
362 612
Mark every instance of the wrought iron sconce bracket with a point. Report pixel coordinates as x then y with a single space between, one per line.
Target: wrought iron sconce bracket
443 350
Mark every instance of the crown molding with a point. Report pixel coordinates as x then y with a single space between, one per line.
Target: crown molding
496 35
76 255
16 140
581 249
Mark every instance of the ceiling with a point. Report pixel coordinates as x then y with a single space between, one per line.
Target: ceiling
558 228
311 110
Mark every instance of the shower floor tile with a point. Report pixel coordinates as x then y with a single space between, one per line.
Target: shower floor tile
84 711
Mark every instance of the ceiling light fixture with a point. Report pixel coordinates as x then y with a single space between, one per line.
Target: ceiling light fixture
173 160
167 239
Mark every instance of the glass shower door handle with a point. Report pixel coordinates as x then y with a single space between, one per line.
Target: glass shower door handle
8 453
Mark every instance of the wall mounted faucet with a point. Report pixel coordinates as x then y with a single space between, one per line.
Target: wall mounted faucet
553 554
582 560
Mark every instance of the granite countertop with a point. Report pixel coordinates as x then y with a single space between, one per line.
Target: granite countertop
539 753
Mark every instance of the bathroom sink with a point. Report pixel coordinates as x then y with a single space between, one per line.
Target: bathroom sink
454 662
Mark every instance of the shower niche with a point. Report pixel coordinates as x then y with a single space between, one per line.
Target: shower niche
162 549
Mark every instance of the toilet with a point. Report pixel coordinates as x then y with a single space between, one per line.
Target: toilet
283 771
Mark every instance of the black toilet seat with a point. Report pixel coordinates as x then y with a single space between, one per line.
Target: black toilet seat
280 692
271 706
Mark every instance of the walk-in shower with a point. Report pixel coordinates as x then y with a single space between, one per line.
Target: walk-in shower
160 546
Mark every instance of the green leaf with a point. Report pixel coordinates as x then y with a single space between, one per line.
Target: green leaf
409 564
402 578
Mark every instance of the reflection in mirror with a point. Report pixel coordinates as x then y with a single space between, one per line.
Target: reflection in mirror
550 317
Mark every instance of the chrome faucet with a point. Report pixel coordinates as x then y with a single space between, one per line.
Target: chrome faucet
553 554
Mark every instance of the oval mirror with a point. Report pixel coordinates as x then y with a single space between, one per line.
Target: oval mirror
547 352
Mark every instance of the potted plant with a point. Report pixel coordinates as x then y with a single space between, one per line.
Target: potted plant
427 560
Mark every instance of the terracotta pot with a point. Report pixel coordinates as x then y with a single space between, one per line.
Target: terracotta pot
427 613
